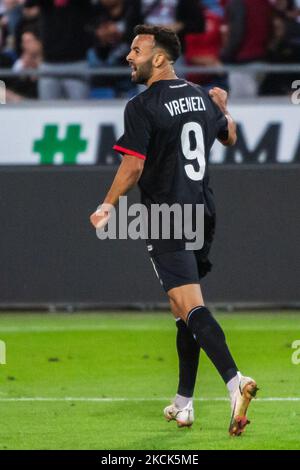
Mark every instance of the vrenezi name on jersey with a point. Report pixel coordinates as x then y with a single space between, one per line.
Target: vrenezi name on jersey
185 105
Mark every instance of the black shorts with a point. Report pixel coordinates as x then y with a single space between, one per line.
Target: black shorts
178 268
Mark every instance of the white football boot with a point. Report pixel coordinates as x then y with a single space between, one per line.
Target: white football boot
240 401
184 417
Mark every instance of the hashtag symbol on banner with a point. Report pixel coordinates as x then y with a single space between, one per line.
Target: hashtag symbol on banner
49 145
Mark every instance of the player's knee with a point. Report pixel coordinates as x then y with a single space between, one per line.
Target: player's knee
182 305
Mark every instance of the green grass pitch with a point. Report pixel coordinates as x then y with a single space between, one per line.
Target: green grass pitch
58 363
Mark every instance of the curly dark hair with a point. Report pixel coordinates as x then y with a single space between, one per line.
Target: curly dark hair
163 37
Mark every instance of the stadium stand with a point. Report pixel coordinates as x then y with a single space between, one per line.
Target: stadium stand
97 33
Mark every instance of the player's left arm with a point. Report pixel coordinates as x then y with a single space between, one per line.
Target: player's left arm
127 176
220 98
231 138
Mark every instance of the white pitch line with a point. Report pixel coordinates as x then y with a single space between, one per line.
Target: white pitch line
119 399
63 329
83 328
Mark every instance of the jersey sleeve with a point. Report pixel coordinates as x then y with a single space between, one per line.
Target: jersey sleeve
137 131
221 123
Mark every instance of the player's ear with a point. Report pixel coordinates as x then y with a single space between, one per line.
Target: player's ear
158 59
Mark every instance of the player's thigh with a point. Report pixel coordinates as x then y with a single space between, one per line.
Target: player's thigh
179 276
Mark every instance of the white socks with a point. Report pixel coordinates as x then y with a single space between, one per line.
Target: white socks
233 384
182 402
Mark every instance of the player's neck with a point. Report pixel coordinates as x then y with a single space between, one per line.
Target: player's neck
165 74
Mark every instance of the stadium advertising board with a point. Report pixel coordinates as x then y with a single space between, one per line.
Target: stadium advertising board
85 134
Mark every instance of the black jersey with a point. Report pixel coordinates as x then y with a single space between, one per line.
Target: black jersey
172 126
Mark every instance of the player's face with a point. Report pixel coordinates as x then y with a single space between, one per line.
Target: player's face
140 58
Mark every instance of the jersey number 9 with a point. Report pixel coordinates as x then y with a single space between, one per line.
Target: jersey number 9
198 153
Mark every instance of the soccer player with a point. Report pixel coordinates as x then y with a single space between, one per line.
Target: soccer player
169 131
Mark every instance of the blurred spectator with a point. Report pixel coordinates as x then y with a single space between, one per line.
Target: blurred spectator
113 32
249 27
284 47
288 8
99 32
2 7
31 58
10 17
204 48
180 15
13 12
295 11
214 6
30 20
285 43
65 41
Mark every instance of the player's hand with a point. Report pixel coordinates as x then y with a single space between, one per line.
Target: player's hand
101 216
219 97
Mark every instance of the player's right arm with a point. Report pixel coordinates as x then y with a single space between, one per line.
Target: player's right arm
133 146
127 176
220 98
